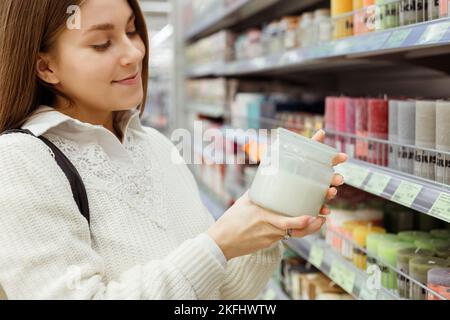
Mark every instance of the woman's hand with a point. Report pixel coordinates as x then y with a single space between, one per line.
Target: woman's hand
246 228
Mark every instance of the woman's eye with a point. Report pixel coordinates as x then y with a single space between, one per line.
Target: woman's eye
132 33
102 47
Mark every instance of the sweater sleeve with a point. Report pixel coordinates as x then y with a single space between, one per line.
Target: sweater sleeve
46 250
245 276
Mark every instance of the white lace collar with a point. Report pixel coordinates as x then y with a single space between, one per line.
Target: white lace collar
55 122
41 122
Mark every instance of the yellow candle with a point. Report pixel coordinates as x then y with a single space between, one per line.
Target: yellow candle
341 12
360 237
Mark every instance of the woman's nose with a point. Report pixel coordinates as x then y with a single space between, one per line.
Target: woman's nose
133 52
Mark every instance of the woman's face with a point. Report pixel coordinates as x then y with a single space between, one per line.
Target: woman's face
90 64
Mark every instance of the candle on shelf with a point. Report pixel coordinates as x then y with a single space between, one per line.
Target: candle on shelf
406 134
407 12
393 134
431 243
433 9
418 270
404 256
443 141
330 119
387 252
412 236
347 232
340 122
361 128
360 234
439 281
440 233
443 251
378 128
341 13
425 161
388 15
372 242
444 6
350 126
359 25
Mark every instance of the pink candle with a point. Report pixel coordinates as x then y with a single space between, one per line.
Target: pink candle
350 120
340 122
361 128
330 120
378 128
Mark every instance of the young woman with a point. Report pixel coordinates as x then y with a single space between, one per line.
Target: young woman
149 235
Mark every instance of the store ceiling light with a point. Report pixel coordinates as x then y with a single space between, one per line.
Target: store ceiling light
162 35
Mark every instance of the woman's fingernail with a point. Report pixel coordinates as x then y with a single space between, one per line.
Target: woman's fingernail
334 192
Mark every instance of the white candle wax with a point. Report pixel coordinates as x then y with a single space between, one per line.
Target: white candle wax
424 163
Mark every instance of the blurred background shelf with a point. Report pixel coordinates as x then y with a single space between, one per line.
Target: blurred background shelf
340 270
410 42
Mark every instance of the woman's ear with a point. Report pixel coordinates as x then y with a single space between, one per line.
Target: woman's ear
44 70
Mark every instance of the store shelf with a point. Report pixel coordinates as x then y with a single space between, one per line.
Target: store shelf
206 109
414 192
237 12
403 39
353 280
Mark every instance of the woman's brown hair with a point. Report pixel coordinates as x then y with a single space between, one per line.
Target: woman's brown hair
28 28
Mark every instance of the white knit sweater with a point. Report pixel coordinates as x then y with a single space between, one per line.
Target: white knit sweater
147 236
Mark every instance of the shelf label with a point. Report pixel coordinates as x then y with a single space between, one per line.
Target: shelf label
343 277
397 38
353 175
377 183
316 256
441 207
434 33
406 193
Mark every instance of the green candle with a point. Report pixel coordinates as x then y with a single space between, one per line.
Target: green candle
404 256
387 252
412 236
418 270
373 239
443 251
431 244
440 234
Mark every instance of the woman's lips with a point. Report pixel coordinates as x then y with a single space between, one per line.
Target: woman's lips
129 81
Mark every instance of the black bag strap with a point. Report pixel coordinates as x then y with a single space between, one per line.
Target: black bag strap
76 183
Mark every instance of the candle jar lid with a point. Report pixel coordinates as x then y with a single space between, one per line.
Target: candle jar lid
440 234
439 276
405 255
423 264
412 236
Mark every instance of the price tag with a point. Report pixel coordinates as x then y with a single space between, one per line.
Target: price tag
357 175
316 256
377 183
441 207
343 277
368 294
434 33
406 193
397 38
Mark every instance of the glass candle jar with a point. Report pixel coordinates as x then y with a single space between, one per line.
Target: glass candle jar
294 175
